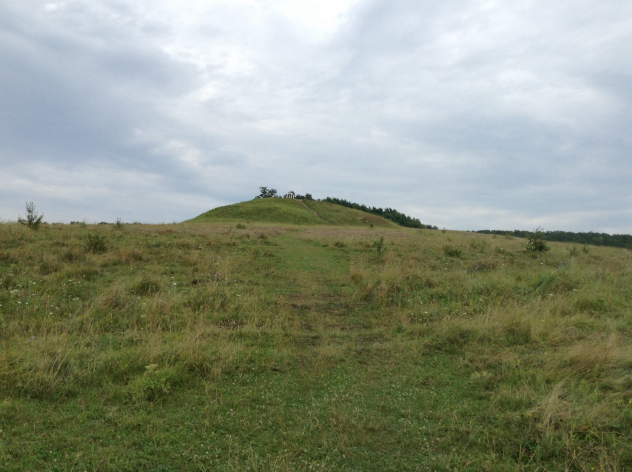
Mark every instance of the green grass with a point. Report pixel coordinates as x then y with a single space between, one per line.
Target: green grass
208 347
295 212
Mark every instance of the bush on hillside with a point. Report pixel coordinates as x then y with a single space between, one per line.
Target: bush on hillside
33 220
95 243
535 243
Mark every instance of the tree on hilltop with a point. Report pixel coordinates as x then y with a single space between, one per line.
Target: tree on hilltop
267 193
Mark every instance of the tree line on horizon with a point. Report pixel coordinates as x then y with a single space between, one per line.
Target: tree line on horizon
592 238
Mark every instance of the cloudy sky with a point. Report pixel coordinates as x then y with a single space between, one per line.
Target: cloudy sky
465 114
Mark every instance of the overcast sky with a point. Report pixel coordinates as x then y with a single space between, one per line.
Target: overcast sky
464 114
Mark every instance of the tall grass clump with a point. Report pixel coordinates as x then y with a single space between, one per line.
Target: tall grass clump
452 251
380 246
95 243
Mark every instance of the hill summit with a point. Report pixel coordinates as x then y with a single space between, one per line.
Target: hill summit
292 211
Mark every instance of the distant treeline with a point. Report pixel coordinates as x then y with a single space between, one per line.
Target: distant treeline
388 213
596 239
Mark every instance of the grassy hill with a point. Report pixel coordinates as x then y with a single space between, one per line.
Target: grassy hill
263 347
288 211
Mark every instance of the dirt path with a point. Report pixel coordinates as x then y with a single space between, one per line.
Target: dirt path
301 268
315 214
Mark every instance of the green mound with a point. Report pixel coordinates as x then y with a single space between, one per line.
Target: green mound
287 211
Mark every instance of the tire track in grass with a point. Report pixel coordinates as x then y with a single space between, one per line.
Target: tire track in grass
310 278
305 265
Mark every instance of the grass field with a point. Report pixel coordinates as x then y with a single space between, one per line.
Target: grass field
284 347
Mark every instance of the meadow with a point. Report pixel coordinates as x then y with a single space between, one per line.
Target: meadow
261 346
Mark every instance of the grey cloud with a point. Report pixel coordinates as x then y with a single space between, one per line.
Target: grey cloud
71 101
472 113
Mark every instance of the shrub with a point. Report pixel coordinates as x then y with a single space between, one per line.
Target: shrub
72 256
452 251
535 243
480 246
379 246
119 224
95 243
153 384
146 287
33 220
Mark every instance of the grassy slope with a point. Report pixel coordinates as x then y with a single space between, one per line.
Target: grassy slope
300 348
298 212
